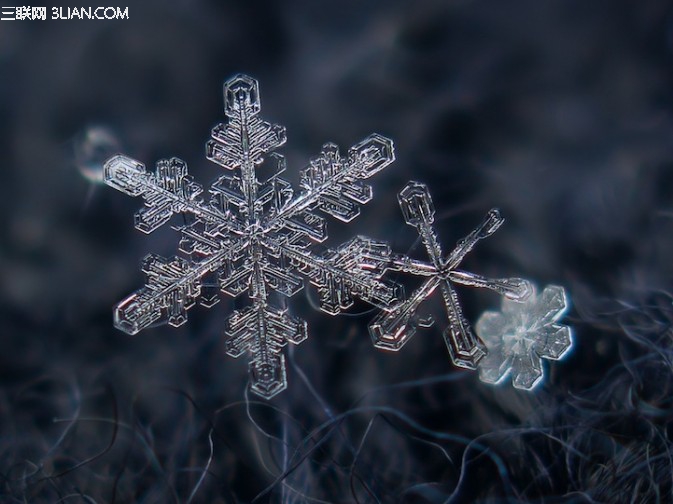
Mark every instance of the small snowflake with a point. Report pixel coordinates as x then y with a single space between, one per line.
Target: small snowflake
522 334
398 323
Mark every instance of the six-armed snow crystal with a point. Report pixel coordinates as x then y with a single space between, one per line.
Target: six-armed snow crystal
521 335
258 236
394 327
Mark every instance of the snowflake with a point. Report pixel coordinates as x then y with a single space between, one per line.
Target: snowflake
522 334
254 235
398 323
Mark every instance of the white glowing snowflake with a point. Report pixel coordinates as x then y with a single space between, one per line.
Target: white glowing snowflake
398 323
254 235
522 334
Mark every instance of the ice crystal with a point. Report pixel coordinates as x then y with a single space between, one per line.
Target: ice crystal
522 334
254 235
398 323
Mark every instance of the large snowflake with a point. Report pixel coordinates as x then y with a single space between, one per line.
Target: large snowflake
254 235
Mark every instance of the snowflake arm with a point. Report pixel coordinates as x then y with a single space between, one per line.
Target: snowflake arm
167 191
339 276
393 328
262 331
333 184
243 141
522 334
173 287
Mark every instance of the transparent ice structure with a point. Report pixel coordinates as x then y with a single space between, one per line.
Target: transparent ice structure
256 237
521 335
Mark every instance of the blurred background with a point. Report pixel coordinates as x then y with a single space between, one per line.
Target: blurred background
559 113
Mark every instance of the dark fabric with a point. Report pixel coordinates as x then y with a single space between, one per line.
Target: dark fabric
557 112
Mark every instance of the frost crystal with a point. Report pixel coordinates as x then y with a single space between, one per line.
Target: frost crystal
254 235
522 334
395 326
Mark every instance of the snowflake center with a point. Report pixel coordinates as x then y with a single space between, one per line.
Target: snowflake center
520 341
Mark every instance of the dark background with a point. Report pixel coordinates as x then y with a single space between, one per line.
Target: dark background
557 112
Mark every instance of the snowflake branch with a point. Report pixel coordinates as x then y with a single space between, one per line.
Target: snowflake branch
167 191
332 184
